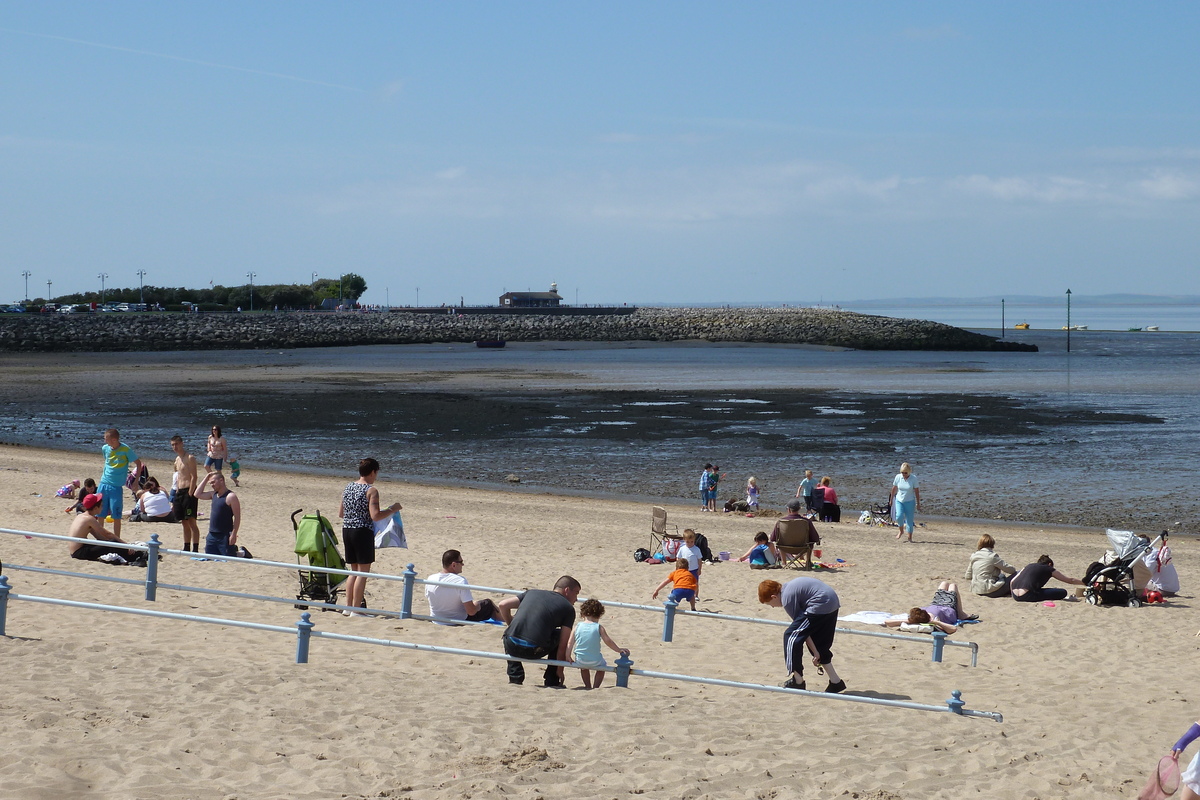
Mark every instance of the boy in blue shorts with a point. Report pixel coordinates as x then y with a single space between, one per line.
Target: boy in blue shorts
684 581
117 458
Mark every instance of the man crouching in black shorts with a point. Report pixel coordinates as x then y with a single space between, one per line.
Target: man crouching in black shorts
89 522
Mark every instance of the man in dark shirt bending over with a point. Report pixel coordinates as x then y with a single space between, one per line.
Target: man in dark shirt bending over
539 625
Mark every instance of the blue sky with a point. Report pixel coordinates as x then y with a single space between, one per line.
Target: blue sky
631 152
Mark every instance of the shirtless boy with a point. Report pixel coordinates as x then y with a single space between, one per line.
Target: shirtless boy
185 504
89 522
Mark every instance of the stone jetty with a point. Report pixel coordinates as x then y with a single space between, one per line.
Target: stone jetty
280 330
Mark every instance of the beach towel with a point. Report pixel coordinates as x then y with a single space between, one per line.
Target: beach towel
868 617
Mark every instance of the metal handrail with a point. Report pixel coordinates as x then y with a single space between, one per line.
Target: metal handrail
304 631
409 579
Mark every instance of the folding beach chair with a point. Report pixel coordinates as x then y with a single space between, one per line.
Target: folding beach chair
661 530
796 537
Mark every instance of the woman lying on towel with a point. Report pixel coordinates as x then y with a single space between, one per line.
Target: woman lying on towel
942 614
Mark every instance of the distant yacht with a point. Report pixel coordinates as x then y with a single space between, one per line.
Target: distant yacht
1022 326
1074 328
1151 327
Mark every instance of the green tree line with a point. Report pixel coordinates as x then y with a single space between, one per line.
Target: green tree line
349 287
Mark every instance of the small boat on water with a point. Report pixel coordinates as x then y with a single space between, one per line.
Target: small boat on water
1151 327
490 343
1074 328
1022 326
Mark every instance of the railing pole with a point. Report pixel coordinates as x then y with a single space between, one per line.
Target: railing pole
152 567
939 643
624 664
410 577
955 703
4 590
303 634
974 653
669 619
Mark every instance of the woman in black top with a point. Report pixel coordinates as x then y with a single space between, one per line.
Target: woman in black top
1027 584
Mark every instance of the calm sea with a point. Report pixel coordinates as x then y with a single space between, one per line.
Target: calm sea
1106 434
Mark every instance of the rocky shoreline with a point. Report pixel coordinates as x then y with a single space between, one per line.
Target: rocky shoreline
116 332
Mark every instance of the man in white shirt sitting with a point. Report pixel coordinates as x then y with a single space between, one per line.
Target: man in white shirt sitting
455 602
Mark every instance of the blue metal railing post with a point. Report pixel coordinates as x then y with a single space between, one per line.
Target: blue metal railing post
152 567
4 590
303 634
939 643
410 577
955 703
624 664
669 619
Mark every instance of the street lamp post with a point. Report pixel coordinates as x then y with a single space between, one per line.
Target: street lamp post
418 297
141 273
1068 320
251 275
26 275
1001 317
102 276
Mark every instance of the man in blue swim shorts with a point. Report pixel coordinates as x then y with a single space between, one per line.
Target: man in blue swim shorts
117 458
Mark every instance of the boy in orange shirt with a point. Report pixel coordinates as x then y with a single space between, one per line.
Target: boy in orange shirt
685 584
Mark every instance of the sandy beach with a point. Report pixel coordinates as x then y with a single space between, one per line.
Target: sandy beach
106 705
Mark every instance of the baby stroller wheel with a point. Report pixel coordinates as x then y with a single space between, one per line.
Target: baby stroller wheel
1091 596
1134 602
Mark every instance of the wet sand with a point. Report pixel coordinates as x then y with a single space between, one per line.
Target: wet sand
472 422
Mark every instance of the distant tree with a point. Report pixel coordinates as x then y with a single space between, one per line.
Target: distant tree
353 286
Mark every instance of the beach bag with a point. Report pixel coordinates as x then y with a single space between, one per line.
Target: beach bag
670 549
702 546
390 532
1163 781
641 554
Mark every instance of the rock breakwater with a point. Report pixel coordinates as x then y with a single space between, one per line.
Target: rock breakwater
282 330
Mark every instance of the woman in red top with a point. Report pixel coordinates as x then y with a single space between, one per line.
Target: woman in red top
831 511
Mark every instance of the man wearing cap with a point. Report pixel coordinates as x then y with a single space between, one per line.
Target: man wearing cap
89 522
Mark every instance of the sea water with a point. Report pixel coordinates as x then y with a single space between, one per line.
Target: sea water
1104 434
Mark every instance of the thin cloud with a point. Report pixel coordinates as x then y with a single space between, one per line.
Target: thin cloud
391 90
1039 189
198 62
1170 186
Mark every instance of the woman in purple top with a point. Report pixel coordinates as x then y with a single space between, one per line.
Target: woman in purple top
943 612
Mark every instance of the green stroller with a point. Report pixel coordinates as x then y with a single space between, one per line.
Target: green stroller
316 540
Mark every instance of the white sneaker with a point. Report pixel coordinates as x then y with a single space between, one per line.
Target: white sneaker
112 558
